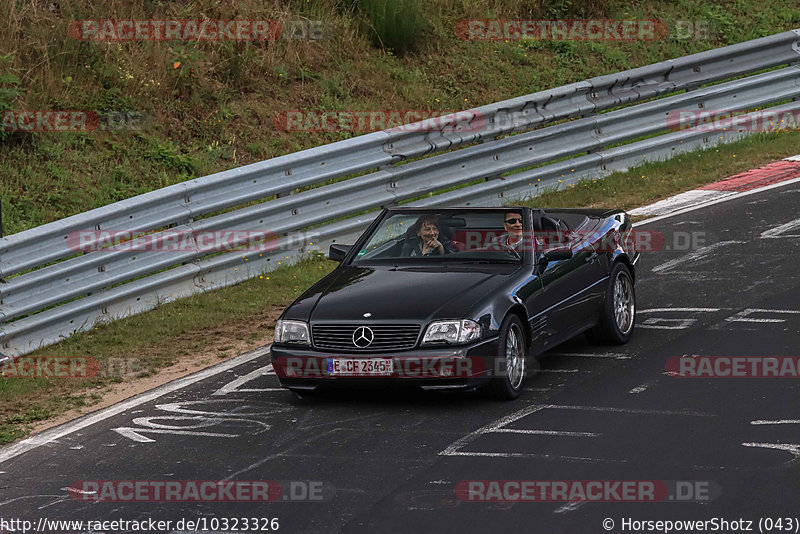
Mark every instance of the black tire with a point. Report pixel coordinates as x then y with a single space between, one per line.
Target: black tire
618 316
510 361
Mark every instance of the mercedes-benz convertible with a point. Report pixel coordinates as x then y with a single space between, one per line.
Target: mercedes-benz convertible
459 298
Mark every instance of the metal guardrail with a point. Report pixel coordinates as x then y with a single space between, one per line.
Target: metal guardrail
49 292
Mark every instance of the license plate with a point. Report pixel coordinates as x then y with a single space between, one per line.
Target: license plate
360 366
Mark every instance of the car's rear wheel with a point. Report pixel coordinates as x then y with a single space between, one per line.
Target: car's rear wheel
509 368
619 308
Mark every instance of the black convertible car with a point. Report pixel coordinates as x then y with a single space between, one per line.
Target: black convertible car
459 298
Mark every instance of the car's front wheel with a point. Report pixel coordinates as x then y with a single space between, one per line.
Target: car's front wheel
509 369
619 308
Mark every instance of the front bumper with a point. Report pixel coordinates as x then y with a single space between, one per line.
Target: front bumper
441 367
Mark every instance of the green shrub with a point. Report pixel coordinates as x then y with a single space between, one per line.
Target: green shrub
393 24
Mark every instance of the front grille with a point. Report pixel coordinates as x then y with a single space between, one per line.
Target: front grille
386 337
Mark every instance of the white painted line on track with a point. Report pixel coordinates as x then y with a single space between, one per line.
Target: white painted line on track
742 316
613 355
181 408
547 432
233 386
453 448
660 323
771 310
49 436
499 426
748 320
779 231
791 448
540 456
692 256
132 434
716 201
569 507
776 422
639 389
671 323
558 370
680 201
654 310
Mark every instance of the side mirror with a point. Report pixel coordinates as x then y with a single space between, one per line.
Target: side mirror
338 252
556 254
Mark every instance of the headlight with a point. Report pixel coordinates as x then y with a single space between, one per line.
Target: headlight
292 332
462 331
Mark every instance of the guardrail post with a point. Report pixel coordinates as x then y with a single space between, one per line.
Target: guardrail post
1 218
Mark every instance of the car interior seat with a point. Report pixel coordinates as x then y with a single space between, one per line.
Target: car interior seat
551 230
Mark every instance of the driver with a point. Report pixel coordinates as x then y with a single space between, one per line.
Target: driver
427 241
511 240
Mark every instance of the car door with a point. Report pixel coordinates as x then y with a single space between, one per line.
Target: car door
530 288
572 289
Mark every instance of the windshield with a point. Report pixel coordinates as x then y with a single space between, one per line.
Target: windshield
483 236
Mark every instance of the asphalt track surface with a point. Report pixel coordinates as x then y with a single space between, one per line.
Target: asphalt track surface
390 461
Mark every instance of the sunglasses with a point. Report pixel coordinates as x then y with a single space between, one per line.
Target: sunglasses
513 221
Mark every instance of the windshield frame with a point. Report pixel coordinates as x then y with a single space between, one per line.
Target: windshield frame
352 257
